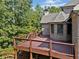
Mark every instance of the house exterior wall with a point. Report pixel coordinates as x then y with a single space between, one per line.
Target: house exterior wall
75 34
78 35
68 9
45 29
59 37
74 28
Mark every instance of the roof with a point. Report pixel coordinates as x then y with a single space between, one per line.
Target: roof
76 7
55 17
48 18
72 3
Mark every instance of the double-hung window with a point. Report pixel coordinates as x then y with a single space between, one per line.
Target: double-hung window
60 29
52 28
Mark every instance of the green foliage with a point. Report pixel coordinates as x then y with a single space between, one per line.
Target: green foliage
17 17
54 10
3 38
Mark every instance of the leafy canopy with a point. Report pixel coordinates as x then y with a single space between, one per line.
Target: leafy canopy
54 10
17 17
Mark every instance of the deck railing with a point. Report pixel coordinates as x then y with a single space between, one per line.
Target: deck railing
50 45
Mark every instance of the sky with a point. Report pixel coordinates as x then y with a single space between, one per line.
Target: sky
44 3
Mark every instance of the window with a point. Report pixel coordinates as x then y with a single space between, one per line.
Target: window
60 29
52 28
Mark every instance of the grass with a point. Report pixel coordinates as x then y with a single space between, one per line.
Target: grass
9 49
6 50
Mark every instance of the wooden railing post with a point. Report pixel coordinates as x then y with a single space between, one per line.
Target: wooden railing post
14 42
15 57
30 48
50 51
76 51
15 50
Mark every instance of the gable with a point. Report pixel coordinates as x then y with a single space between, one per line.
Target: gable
72 3
76 7
55 17
48 18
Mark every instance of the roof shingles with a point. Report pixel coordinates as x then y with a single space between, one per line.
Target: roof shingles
55 17
72 3
48 18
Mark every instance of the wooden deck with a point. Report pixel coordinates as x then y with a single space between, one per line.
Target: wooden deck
47 47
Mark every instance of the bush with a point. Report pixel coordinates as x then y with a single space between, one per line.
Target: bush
4 41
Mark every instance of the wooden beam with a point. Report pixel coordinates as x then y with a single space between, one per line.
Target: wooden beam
15 51
30 49
76 51
14 42
46 52
53 42
50 47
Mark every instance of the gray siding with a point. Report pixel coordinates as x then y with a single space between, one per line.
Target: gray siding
58 37
74 28
78 35
67 9
75 33
45 29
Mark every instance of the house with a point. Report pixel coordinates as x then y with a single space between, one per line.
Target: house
59 39
59 25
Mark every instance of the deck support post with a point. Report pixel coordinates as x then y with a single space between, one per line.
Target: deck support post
30 55
30 48
76 50
50 51
15 50
15 57
50 57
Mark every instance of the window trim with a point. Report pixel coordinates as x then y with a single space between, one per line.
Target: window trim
52 28
60 32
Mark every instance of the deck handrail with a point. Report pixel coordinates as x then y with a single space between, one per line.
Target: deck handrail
53 42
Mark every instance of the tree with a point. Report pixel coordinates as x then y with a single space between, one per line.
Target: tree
13 17
35 17
54 10
17 17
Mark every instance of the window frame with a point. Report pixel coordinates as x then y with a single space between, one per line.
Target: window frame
60 29
52 28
